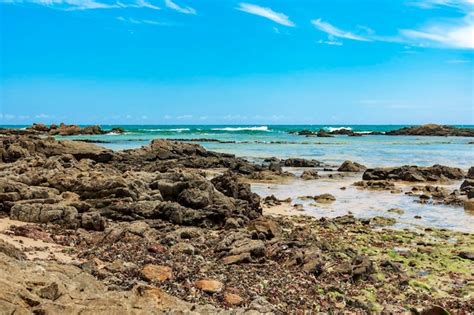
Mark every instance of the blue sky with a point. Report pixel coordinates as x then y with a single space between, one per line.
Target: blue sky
232 62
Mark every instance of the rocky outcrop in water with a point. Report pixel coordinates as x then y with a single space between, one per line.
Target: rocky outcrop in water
70 130
414 173
433 130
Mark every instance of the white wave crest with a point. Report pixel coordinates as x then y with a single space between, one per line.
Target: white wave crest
261 128
169 130
331 129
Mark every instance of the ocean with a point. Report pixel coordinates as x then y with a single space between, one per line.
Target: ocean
262 141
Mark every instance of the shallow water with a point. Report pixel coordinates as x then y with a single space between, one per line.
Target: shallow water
255 142
368 203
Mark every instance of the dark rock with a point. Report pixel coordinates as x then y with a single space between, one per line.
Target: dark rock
414 173
349 166
298 162
432 130
310 174
467 255
470 173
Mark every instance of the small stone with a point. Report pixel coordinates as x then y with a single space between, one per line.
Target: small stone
235 259
467 255
156 249
156 273
233 299
397 211
184 248
209 286
325 198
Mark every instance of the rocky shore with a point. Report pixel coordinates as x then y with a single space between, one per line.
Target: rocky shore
172 227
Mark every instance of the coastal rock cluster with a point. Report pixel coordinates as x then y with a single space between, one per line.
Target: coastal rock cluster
61 130
79 184
433 130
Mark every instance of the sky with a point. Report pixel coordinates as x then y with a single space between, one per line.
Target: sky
233 62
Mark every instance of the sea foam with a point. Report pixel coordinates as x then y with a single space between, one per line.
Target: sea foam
261 128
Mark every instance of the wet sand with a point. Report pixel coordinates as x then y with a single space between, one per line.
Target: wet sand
33 248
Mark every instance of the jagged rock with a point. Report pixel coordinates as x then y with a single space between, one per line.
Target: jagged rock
414 173
93 221
44 213
298 162
467 187
470 173
266 226
432 130
230 186
349 166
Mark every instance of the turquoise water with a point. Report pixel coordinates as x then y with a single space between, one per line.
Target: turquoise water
261 141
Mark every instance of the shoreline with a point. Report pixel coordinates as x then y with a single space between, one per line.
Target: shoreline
185 221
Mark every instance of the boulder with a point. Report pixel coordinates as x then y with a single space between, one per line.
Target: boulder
349 166
470 173
310 175
45 213
298 162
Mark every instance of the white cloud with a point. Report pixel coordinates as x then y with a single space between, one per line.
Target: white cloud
458 61
9 116
267 13
184 117
457 34
42 116
71 5
430 4
330 42
140 21
186 10
331 30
